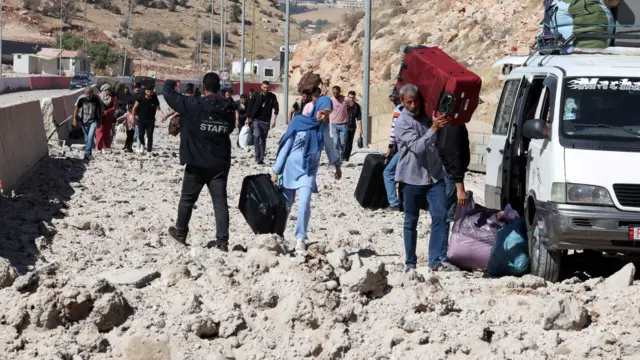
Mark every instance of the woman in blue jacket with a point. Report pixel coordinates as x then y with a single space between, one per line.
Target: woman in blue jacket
297 161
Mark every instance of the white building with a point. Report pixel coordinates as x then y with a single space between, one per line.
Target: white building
47 61
268 70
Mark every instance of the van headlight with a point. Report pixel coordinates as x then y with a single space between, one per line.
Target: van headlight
580 194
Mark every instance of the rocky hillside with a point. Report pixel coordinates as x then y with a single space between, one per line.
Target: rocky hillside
475 32
174 51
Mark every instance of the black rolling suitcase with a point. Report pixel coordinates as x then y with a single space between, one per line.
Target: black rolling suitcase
370 192
264 206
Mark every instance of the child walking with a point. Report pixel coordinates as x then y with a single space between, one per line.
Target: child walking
298 159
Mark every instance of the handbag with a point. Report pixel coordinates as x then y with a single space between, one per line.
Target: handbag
360 143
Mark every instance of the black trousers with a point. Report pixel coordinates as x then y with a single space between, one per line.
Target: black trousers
195 178
349 147
128 143
146 127
260 133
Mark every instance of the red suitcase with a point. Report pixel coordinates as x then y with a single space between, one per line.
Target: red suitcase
445 85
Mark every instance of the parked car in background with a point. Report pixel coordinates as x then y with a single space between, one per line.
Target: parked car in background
79 81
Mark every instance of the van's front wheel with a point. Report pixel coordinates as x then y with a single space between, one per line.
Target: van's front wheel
544 263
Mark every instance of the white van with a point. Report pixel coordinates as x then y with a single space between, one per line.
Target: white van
564 151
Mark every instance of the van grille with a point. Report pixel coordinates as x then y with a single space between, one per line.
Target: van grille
627 194
582 222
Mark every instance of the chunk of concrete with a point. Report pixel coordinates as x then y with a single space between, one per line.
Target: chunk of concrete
138 278
621 279
565 313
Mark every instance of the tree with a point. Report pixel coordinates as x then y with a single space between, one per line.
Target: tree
206 37
148 39
102 55
236 13
69 10
175 38
70 41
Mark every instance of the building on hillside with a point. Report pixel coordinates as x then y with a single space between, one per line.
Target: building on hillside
49 61
262 70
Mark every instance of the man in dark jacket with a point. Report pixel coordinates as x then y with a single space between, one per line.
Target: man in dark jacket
453 148
263 108
205 148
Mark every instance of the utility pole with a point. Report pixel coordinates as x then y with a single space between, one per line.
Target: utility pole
84 27
126 44
211 41
365 69
199 45
241 50
285 68
1 24
221 32
224 33
60 62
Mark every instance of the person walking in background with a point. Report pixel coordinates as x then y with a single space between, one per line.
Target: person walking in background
228 92
110 105
339 120
422 174
252 93
145 109
263 109
298 159
453 148
91 113
355 124
205 149
315 94
391 157
241 108
298 105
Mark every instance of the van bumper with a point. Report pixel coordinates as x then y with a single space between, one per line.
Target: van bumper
581 227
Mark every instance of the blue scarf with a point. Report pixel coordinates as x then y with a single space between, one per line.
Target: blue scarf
314 129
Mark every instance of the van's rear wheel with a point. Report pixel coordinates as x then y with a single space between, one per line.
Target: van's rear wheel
544 263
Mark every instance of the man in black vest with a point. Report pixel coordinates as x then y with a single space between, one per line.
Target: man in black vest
261 108
205 148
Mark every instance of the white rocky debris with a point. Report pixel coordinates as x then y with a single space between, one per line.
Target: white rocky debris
106 282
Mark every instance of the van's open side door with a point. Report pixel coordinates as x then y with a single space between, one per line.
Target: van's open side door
495 151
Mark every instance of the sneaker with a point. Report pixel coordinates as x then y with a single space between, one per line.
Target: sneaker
393 209
444 266
301 247
173 232
410 270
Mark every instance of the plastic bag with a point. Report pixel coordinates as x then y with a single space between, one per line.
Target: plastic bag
510 253
474 233
243 137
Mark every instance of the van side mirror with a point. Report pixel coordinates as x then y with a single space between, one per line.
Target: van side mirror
534 129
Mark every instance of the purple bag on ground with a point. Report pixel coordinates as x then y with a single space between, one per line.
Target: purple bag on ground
474 232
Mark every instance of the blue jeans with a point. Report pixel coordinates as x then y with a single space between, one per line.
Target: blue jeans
340 134
389 175
414 196
89 137
304 209
452 201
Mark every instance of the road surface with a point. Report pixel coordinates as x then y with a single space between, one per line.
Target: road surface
22 96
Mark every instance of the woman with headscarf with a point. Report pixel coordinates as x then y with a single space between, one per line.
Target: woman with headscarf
298 159
103 133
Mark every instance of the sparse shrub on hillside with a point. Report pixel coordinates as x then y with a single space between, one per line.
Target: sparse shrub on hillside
69 10
397 11
209 10
352 19
331 36
206 38
260 57
106 5
124 27
423 38
236 13
175 38
32 5
148 39
386 74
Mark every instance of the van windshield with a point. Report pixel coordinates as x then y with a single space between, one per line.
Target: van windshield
601 108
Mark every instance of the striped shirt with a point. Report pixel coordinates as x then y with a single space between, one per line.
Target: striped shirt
392 134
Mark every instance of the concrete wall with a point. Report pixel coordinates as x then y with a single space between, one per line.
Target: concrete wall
22 142
9 84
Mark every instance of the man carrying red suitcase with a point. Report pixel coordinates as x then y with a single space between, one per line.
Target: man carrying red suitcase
422 174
